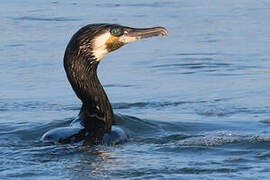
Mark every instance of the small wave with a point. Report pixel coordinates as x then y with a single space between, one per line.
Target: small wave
197 54
116 85
152 5
236 160
161 139
152 104
152 173
33 131
10 105
108 5
194 65
263 155
216 110
134 126
214 63
30 18
198 66
265 121
225 137
15 45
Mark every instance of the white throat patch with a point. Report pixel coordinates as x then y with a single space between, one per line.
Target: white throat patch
99 45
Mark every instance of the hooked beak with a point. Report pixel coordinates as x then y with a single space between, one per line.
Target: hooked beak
133 34
147 32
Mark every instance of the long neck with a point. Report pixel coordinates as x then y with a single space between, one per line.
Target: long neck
96 111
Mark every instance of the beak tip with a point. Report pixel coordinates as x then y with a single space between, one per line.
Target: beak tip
163 31
148 32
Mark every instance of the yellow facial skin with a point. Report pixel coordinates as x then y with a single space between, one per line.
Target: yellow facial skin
113 43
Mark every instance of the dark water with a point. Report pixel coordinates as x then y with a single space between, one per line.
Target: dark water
196 103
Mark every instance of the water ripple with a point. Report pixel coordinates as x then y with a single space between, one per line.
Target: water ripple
216 110
31 18
152 104
197 65
19 106
219 139
157 173
151 5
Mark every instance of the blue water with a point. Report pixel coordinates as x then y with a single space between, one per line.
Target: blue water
196 103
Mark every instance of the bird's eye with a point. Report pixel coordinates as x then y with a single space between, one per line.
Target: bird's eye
116 32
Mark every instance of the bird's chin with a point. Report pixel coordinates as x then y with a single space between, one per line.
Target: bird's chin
114 45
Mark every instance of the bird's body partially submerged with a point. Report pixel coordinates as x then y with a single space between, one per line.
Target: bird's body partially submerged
83 54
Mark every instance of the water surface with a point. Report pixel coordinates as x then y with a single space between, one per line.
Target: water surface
196 103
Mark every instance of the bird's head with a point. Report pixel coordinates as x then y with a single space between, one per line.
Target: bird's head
100 39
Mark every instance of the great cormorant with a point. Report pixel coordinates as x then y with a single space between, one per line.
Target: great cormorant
82 56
